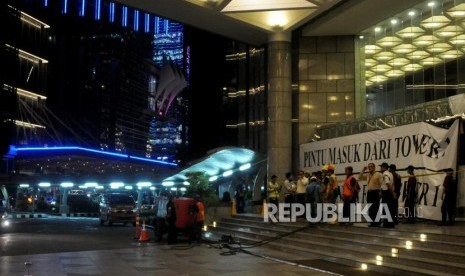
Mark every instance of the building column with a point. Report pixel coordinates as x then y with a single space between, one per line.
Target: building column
279 104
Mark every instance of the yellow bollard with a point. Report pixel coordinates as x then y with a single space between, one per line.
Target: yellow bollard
264 211
137 236
233 208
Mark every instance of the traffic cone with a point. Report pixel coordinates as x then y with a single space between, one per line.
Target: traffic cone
144 236
137 236
233 208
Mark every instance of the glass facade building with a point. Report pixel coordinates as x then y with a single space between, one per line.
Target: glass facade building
244 96
413 57
402 70
85 73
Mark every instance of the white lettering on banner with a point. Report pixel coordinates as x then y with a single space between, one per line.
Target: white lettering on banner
428 148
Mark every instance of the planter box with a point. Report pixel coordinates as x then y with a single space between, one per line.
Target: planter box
215 213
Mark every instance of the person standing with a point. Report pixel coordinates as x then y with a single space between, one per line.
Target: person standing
332 187
289 190
397 186
411 195
374 180
449 198
199 219
161 201
349 191
324 184
171 220
273 190
387 194
240 197
319 176
313 194
302 183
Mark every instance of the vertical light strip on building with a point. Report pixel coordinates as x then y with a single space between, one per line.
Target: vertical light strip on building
112 12
125 17
157 23
82 11
147 22
188 65
136 20
45 3
65 7
167 23
98 5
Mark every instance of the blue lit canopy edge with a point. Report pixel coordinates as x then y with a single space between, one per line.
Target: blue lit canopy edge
217 162
41 151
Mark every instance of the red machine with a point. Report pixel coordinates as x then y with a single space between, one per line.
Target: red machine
184 215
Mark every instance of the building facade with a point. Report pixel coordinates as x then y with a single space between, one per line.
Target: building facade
86 73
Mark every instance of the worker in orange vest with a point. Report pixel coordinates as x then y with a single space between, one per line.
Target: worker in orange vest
349 192
199 219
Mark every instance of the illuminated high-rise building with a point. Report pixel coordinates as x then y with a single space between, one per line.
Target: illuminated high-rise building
85 73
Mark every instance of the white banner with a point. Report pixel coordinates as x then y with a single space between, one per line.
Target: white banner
428 148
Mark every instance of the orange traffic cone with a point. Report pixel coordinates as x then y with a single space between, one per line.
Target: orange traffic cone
137 236
144 236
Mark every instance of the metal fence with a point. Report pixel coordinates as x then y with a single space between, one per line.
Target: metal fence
413 114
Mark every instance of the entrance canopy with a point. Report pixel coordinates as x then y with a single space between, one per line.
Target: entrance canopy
82 165
219 163
79 165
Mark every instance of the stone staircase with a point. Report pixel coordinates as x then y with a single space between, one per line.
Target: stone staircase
342 249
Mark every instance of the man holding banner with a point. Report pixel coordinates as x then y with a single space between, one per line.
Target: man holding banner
387 190
374 180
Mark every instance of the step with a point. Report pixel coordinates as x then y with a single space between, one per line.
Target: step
433 232
369 248
445 249
396 240
336 257
420 249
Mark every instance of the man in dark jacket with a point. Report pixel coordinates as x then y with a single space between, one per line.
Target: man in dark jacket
449 197
411 195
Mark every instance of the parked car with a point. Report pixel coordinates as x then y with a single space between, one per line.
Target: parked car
117 208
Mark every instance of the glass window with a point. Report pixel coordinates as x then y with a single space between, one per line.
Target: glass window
414 56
